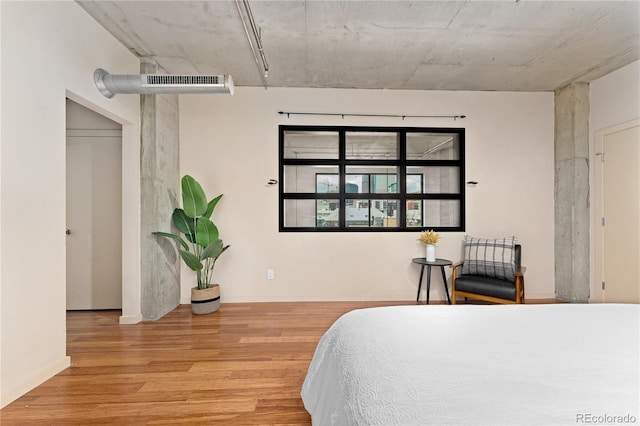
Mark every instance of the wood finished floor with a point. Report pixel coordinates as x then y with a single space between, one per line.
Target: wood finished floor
243 365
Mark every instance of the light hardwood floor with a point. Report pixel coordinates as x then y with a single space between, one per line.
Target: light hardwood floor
243 365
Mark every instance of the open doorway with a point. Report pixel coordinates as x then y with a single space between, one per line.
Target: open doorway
94 210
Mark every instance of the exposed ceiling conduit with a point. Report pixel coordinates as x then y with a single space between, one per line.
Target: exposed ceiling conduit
257 36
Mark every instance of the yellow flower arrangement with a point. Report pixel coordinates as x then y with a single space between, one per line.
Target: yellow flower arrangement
429 237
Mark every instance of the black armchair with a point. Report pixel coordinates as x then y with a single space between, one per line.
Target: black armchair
486 286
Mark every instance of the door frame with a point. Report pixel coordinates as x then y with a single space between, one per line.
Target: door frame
131 278
596 293
105 293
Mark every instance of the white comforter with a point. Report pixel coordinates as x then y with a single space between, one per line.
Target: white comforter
478 365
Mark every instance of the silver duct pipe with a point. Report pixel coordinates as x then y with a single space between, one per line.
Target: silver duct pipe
110 84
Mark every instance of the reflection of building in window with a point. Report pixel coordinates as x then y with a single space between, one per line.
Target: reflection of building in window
352 188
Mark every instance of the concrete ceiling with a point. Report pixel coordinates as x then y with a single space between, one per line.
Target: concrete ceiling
426 45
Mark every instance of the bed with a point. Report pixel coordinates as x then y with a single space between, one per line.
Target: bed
478 365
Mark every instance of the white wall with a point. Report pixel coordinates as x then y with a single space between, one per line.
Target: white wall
49 52
614 100
231 145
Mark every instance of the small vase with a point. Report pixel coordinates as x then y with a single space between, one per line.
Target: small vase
431 253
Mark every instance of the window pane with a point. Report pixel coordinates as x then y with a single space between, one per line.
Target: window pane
372 213
433 180
415 182
371 180
414 213
301 144
327 213
371 145
432 146
310 179
311 213
357 184
327 183
433 213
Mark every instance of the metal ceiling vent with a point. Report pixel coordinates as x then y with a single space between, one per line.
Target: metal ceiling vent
152 84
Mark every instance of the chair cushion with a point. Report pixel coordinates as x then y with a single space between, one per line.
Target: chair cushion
486 286
494 258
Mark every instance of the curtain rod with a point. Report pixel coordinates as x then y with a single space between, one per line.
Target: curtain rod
343 115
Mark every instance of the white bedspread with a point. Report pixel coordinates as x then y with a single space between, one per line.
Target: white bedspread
478 365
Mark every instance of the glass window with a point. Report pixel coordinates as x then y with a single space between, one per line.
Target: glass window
310 144
415 183
433 180
433 214
371 179
301 179
311 213
371 213
328 183
432 146
327 213
414 214
371 145
354 179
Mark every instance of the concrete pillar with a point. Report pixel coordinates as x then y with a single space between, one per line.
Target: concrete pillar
160 193
572 193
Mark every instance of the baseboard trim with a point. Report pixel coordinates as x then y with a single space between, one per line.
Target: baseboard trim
130 319
37 379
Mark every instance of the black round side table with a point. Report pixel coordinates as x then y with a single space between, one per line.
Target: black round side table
422 261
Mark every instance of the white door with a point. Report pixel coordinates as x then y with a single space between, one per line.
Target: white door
94 224
618 177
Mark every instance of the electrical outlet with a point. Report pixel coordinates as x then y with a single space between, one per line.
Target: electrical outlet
270 274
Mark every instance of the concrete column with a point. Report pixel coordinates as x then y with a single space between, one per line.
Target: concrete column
572 193
160 193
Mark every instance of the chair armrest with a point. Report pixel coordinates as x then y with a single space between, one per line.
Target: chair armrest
456 265
520 272
454 274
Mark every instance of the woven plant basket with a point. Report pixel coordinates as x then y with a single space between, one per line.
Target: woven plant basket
205 301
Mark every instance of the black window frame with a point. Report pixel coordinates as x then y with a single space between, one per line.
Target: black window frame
401 163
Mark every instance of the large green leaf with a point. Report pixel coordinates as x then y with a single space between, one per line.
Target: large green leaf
183 222
191 260
211 206
206 232
174 237
194 200
213 250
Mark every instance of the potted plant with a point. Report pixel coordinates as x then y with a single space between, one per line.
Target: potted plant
430 238
203 245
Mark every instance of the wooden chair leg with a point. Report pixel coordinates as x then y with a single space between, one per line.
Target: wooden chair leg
520 290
